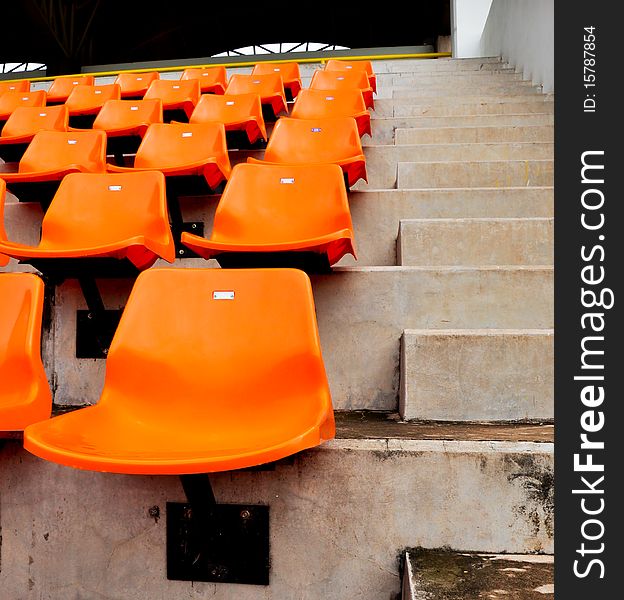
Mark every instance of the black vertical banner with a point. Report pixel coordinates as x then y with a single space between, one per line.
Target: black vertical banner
589 269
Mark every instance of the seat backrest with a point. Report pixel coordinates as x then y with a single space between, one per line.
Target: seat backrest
223 337
180 144
62 87
263 85
276 203
116 114
135 83
21 85
334 64
301 141
24 389
84 97
226 109
28 120
53 150
288 71
336 80
90 210
326 103
9 101
210 78
173 91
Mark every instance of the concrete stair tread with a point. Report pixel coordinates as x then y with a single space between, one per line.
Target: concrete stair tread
373 425
440 574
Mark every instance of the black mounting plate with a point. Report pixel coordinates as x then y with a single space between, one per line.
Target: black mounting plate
222 543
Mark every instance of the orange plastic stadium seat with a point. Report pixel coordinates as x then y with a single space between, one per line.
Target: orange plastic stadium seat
128 117
237 113
209 370
270 88
25 395
320 104
334 64
121 216
4 260
177 96
89 99
183 149
278 208
21 85
289 72
134 85
50 156
212 80
341 80
9 101
317 141
24 123
62 87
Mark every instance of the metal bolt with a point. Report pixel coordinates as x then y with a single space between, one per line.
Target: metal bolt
181 252
245 514
194 226
89 315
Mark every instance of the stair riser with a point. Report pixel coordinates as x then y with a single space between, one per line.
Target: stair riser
477 376
389 108
472 135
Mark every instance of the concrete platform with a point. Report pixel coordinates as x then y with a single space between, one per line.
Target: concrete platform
477 375
439 574
475 242
391 108
341 516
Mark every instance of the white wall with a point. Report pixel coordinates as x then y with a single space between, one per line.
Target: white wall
522 32
468 18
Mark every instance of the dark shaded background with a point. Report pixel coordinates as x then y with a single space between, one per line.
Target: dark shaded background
67 34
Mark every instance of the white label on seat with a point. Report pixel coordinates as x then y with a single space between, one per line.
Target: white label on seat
256 81
230 103
114 188
72 142
315 130
348 66
175 87
329 98
187 134
139 78
43 114
25 98
134 108
223 295
11 87
287 180
205 74
98 91
276 69
74 83
339 78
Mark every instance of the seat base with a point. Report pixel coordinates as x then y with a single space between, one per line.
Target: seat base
57 270
171 115
120 145
239 140
309 262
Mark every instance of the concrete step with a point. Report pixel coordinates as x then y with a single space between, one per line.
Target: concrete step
384 129
360 338
341 514
391 108
475 242
439 574
503 74
459 91
440 64
494 173
382 161
463 135
477 375
475 83
375 214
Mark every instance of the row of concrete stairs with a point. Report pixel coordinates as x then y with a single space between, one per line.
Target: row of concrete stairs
438 346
